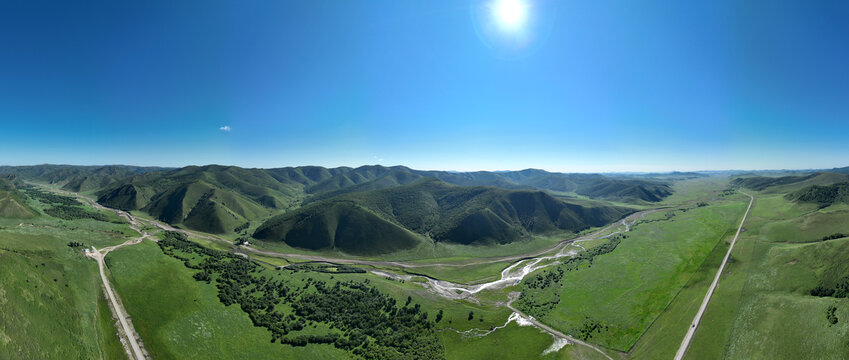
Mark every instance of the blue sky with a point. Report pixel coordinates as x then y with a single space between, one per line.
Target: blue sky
580 86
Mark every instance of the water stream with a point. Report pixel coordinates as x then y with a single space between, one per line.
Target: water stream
514 273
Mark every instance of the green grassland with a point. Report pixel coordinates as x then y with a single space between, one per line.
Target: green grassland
623 292
662 339
191 322
763 307
53 305
51 300
511 342
168 321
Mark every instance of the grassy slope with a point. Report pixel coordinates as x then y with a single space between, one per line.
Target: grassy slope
12 202
662 339
50 296
762 308
12 206
191 321
627 289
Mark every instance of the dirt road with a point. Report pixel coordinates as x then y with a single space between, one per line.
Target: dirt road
133 340
556 333
688 338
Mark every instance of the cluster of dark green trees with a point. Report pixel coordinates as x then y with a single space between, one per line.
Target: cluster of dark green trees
75 244
66 212
64 207
325 268
537 300
48 197
242 227
830 316
666 217
362 320
833 236
839 290
588 328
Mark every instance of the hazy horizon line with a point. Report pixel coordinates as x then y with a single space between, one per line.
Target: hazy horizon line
660 171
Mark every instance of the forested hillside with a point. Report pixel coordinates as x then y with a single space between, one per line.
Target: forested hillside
823 195
381 221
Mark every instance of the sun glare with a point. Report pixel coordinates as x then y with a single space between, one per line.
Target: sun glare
510 15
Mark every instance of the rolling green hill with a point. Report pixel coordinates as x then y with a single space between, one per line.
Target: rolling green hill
211 198
788 183
385 220
822 195
78 178
12 201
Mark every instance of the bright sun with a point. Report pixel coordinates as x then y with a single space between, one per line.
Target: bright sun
510 14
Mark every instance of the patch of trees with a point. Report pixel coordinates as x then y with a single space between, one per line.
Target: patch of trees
839 290
74 244
325 268
666 217
833 236
702 204
363 320
588 328
541 293
242 227
49 197
830 316
66 212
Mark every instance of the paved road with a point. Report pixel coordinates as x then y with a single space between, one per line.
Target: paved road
685 344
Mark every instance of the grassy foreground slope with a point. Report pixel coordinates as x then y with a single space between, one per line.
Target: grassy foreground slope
764 307
191 321
53 306
194 320
13 202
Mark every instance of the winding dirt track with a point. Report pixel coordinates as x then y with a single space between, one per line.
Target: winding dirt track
117 307
557 333
129 332
691 331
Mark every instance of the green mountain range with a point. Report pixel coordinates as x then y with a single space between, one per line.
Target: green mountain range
77 178
347 207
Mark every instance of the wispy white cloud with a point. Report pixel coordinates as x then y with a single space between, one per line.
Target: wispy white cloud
225 128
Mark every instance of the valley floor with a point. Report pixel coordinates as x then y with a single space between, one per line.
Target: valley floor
629 290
